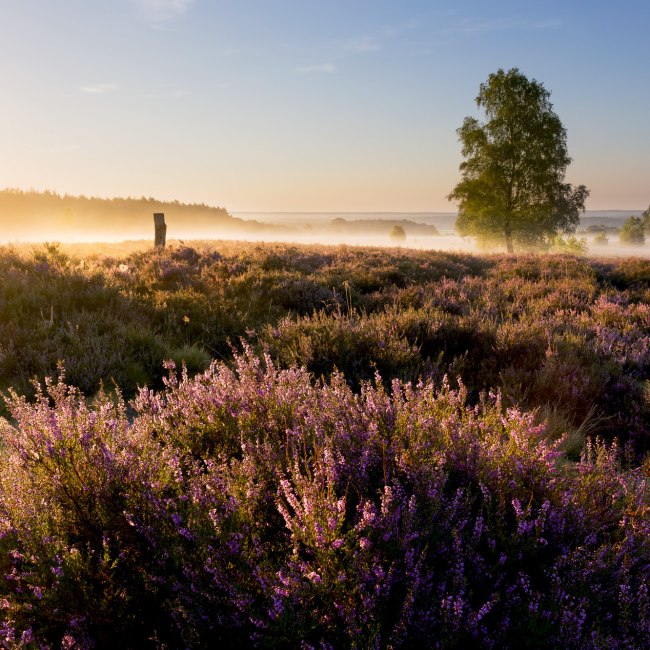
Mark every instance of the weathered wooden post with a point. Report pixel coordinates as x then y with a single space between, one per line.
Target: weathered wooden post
161 229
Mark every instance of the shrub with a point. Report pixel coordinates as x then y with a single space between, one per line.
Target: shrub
397 233
251 506
633 231
570 244
601 239
488 321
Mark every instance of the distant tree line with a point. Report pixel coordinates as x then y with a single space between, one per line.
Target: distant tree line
53 215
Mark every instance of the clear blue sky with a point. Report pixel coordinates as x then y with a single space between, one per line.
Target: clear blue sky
308 104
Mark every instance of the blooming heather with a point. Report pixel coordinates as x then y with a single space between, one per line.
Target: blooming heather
253 505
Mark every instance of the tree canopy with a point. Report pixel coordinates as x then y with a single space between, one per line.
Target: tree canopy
512 187
645 217
633 231
397 233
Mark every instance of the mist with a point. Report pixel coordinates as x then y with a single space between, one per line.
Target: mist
33 217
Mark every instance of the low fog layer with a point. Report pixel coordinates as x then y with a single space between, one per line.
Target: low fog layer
46 216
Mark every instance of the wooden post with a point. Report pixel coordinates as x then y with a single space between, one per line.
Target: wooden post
161 229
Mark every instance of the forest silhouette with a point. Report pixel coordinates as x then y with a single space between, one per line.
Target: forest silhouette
24 214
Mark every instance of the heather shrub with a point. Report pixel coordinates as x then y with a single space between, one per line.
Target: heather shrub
553 332
357 345
630 273
548 267
50 310
252 505
69 474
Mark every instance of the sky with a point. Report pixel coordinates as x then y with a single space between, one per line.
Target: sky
308 105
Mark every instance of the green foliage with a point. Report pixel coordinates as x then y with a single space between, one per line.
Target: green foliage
601 239
571 245
512 188
193 357
633 231
646 219
397 233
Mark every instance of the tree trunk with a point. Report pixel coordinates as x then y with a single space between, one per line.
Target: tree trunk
507 233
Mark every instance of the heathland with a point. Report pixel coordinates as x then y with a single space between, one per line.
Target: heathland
354 447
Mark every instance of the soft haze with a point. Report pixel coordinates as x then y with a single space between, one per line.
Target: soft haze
341 105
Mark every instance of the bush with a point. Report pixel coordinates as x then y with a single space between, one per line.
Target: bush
633 231
397 233
570 244
601 239
251 506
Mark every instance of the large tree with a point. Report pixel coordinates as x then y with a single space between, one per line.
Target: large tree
512 187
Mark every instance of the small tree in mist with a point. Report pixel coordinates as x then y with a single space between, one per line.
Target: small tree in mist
601 239
512 187
397 233
633 231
